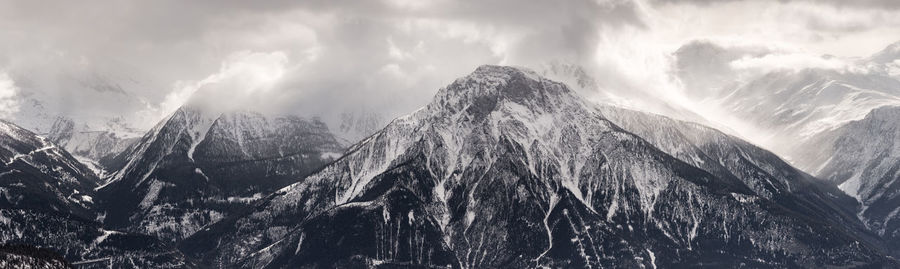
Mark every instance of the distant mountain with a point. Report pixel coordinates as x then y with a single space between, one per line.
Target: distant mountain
90 109
95 98
195 168
838 125
793 106
357 125
94 148
505 168
864 158
888 55
784 106
47 200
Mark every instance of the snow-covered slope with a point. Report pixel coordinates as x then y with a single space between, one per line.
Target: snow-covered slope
195 168
507 169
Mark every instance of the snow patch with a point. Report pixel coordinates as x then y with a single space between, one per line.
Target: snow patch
652 257
103 236
329 155
851 186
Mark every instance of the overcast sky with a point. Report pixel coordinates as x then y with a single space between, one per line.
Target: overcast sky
390 56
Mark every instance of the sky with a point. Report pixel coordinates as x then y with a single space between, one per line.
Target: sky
324 58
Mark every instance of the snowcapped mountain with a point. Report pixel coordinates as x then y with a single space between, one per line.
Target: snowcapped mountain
797 105
887 61
864 158
889 54
92 110
505 168
47 200
93 148
85 94
835 124
782 106
195 168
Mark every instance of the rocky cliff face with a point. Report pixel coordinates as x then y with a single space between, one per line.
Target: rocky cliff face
507 169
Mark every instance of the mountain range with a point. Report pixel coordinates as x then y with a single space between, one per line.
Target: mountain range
503 168
507 169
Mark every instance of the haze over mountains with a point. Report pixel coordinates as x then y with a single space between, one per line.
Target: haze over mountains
503 153
450 134
500 152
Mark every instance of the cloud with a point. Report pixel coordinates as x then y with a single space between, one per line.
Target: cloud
242 78
794 62
706 68
388 56
9 101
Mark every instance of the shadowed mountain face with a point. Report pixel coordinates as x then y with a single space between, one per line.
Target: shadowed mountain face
507 169
36 174
47 200
193 169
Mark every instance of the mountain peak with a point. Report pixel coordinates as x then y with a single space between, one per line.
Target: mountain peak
888 54
488 86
